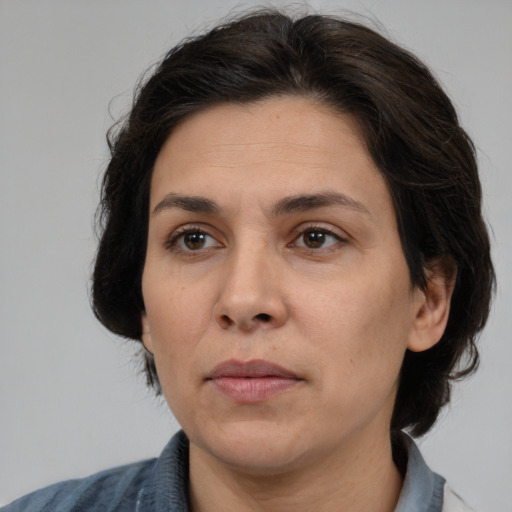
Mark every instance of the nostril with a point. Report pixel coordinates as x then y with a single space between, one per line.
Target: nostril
225 321
244 323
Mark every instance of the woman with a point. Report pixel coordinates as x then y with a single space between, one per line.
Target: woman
292 228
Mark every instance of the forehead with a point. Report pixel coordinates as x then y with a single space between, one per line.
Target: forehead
267 149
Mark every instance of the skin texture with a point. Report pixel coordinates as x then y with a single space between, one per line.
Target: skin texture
319 287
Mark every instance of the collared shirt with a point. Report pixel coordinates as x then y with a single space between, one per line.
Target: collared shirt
161 485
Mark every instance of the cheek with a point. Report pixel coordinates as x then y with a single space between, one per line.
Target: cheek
175 310
178 317
176 328
360 328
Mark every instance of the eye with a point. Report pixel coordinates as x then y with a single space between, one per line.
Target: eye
193 240
317 238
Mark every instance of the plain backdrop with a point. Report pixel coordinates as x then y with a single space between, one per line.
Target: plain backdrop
71 402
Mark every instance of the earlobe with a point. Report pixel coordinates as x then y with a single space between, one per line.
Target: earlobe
433 305
146 334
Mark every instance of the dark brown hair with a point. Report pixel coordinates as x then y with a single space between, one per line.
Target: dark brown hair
409 127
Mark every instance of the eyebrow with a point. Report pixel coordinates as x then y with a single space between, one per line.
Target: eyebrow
285 206
305 202
188 203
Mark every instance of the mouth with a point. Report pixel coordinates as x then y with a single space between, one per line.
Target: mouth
252 381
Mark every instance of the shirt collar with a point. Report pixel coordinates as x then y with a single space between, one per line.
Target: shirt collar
167 488
422 490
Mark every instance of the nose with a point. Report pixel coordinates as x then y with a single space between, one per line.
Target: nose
251 296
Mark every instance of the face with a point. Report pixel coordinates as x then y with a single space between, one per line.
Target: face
278 300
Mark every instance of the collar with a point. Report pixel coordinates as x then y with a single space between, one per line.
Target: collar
167 488
422 490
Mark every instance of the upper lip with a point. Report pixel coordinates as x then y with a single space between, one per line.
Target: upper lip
250 369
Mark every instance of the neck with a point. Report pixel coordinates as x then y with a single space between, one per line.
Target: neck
358 479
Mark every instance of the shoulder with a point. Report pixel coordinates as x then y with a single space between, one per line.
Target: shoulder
453 503
115 489
155 484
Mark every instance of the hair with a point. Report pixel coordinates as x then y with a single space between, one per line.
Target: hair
409 127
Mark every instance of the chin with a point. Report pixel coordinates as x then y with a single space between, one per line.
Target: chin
254 447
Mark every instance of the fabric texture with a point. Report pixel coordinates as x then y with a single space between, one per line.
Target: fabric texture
161 485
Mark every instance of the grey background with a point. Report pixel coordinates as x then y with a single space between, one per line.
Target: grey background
70 402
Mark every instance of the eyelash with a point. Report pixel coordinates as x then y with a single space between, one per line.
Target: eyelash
178 235
318 229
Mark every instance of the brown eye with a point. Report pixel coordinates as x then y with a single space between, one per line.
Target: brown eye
195 240
314 239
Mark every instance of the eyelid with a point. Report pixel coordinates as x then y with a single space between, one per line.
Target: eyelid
341 238
325 228
172 239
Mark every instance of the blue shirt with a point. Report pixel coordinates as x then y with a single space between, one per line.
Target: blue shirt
161 485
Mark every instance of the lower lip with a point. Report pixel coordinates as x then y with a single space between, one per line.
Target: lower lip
252 390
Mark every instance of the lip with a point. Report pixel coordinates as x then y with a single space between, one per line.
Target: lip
251 381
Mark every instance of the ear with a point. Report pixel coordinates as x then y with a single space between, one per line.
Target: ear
433 305
146 334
